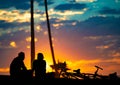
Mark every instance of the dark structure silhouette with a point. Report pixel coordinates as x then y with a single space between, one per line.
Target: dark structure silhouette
32 32
18 69
39 67
96 72
113 76
77 71
50 39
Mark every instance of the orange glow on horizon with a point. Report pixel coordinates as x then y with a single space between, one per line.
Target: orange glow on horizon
4 69
86 66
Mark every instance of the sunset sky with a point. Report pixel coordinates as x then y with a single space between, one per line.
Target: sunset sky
85 33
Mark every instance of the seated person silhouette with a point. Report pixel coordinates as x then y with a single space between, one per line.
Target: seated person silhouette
39 67
17 67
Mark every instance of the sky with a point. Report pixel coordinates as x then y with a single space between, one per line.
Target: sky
85 33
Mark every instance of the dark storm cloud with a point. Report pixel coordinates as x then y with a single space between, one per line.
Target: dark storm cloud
18 4
76 6
107 10
7 25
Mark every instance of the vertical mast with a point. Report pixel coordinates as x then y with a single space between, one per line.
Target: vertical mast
32 33
50 38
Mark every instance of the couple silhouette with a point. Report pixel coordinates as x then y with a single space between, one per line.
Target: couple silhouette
19 71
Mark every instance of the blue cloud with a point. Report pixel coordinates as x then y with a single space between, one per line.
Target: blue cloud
100 26
21 4
18 4
7 25
41 2
94 26
107 10
76 6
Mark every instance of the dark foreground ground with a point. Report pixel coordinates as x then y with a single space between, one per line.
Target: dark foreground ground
6 80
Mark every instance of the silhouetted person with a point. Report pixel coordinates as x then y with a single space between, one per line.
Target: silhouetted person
17 67
39 67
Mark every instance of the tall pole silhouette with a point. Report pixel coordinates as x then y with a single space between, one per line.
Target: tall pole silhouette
32 32
50 38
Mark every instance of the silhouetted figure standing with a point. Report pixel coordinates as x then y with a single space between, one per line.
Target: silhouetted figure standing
39 67
17 67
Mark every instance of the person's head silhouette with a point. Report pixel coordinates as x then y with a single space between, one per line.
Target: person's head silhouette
40 56
21 55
